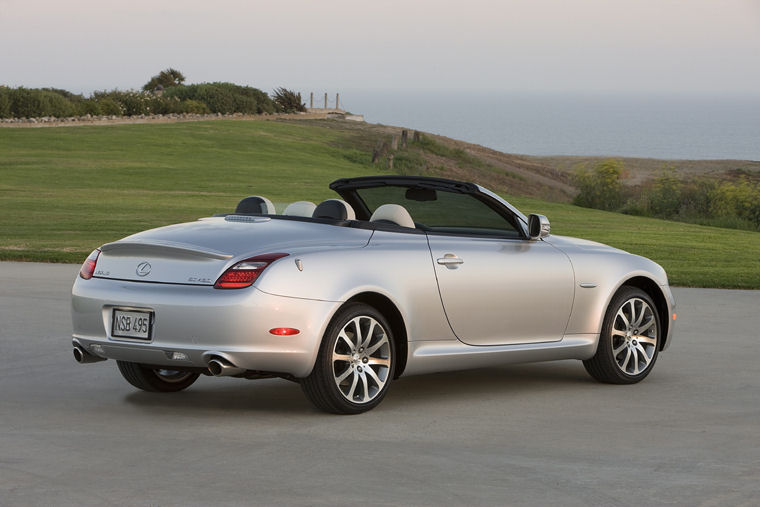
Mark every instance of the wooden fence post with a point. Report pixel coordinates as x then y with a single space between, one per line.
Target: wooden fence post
404 136
311 100
337 101
325 100
394 143
390 161
381 148
416 137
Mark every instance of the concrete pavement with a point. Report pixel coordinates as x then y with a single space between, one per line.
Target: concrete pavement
538 434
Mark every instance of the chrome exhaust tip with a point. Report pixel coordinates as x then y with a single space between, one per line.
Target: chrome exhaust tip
82 356
221 368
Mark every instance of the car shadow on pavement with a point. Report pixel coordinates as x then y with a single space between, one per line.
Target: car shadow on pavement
211 395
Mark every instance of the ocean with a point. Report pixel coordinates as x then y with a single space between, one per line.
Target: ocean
650 126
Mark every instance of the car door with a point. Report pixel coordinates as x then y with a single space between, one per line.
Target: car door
503 291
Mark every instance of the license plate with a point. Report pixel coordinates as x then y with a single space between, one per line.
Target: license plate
132 324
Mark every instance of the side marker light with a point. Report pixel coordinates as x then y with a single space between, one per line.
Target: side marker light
284 331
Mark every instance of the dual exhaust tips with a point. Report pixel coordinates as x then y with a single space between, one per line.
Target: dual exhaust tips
218 367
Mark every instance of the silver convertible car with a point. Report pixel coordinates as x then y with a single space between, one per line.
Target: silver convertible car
399 276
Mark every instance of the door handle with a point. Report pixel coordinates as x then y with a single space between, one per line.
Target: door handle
449 260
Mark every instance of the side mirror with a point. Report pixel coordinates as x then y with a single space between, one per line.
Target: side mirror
538 226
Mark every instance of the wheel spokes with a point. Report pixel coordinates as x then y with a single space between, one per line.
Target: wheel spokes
634 336
366 397
361 359
365 343
342 335
382 341
618 350
627 358
350 394
344 375
647 325
379 361
644 355
375 378
635 355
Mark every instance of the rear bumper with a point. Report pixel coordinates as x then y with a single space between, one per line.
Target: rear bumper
201 323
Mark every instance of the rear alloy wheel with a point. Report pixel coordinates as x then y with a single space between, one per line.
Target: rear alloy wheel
355 364
630 339
156 380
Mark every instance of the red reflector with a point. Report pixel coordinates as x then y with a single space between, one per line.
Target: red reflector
244 273
88 268
284 331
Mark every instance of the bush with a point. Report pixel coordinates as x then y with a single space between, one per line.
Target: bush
600 187
131 103
110 107
191 107
225 97
73 97
88 106
665 196
737 199
5 102
197 99
32 103
729 204
695 198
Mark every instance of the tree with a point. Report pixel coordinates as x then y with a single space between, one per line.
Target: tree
288 101
165 78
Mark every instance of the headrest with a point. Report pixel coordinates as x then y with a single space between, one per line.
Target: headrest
255 205
300 209
335 209
393 213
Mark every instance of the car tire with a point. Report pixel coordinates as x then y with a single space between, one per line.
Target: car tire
355 364
156 380
631 335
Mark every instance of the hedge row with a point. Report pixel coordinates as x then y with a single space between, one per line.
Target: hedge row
198 99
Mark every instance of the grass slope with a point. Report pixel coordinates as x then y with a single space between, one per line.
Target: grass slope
65 191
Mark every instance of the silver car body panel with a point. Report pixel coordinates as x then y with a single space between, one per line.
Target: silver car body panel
510 300
504 291
198 252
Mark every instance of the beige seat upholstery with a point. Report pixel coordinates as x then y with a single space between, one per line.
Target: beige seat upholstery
394 213
334 209
300 209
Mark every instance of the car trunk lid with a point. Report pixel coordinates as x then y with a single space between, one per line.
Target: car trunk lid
197 253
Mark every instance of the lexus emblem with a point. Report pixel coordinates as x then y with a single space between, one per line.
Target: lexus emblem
143 269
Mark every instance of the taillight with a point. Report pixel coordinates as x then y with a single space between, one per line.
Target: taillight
88 268
244 273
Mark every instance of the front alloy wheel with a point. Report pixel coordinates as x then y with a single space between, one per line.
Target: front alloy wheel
630 339
355 364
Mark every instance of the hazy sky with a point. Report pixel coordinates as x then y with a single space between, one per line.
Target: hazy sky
691 46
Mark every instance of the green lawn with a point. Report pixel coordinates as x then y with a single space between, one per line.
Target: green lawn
67 190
